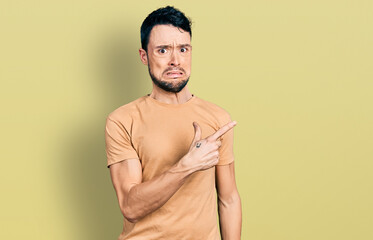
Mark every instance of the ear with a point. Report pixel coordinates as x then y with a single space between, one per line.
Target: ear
143 56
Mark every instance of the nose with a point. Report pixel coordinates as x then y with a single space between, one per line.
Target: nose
174 59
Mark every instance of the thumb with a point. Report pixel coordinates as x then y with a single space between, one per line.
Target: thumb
197 133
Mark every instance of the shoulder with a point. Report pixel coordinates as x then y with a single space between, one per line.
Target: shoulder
126 111
218 112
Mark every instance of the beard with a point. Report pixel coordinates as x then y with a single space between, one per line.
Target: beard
168 86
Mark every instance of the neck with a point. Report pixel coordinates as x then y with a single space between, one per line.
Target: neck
170 97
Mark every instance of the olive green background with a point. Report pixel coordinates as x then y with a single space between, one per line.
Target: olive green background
296 75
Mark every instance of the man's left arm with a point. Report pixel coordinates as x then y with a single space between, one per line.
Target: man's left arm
229 203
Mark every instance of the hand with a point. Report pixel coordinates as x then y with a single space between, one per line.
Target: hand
203 153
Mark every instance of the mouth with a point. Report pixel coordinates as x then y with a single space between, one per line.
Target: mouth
174 74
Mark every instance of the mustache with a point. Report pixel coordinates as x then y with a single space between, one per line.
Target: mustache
174 69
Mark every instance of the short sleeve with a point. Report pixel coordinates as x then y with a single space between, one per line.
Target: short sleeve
226 155
118 142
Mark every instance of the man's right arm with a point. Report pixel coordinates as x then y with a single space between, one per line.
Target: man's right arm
138 199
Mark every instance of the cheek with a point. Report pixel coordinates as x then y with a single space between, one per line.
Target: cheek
188 60
154 67
157 69
158 65
188 64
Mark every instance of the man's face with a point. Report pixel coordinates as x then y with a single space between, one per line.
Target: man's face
168 57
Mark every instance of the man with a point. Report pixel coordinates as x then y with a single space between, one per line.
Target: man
164 172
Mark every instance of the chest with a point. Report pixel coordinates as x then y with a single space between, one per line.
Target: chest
162 141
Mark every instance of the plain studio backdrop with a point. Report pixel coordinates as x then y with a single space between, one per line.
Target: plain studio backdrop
296 75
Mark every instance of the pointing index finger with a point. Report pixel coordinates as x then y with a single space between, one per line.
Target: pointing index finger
222 131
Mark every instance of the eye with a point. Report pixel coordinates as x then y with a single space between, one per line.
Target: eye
162 50
183 49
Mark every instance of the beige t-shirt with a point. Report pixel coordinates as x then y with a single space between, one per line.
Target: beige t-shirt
159 135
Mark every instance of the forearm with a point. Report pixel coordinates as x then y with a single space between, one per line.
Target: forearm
230 217
146 197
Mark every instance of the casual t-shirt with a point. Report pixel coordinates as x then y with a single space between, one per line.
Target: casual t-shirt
159 135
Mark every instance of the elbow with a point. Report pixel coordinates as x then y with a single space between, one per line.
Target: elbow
229 200
129 211
132 220
129 215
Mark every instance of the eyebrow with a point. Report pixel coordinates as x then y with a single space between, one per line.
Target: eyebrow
168 46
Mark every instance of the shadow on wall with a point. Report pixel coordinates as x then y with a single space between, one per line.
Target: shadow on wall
92 197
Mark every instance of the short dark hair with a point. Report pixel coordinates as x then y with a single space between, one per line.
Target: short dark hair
163 16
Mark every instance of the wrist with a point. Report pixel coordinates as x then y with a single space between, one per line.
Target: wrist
182 166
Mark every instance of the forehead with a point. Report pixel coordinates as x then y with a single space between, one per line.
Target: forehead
168 34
